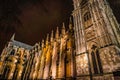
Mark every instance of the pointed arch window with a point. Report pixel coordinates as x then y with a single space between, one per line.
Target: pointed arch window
87 16
96 61
87 19
6 72
12 52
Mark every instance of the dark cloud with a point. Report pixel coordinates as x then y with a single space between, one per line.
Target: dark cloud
39 18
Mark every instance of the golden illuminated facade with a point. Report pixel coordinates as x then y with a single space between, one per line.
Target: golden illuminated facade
88 51
97 38
52 59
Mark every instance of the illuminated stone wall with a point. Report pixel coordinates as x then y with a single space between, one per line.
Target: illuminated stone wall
97 40
52 58
88 51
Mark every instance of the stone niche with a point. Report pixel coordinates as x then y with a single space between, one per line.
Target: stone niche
82 64
110 59
90 33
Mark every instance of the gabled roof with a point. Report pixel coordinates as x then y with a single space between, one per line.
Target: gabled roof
22 45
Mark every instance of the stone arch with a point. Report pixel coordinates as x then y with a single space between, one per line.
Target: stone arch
89 46
95 61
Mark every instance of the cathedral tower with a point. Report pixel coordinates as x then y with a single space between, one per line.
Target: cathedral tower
97 37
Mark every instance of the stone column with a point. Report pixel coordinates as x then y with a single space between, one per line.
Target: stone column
54 60
62 57
47 63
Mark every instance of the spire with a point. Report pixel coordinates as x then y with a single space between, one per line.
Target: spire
57 33
38 45
42 44
70 23
47 39
13 37
63 28
51 36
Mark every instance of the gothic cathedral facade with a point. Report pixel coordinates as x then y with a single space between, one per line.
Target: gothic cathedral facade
88 51
97 38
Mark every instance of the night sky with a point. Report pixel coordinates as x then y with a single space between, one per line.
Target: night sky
31 20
